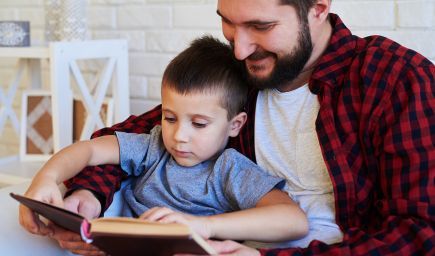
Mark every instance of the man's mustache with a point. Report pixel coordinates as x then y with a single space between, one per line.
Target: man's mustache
259 55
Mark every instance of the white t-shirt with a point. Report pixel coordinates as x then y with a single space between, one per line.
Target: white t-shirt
286 145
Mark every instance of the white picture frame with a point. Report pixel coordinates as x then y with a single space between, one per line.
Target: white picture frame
27 153
37 147
79 126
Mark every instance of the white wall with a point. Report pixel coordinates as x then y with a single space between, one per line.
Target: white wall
158 29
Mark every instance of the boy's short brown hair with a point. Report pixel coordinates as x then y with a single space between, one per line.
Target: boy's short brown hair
208 66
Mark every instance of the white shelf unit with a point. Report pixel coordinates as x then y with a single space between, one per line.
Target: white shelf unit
63 68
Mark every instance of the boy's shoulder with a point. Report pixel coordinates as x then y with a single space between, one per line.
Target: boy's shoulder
232 156
231 152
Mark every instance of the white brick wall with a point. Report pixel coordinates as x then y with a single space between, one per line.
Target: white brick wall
159 29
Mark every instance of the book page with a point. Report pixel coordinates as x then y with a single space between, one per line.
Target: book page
123 225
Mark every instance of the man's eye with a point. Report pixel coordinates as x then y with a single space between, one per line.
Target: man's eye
263 27
170 119
199 125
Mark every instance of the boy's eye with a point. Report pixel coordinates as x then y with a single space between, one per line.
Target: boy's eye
199 125
170 119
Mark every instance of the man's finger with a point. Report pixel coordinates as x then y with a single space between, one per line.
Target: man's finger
71 204
89 253
78 246
28 219
224 247
73 242
62 234
31 222
84 203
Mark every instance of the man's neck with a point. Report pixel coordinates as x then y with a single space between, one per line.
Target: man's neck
319 46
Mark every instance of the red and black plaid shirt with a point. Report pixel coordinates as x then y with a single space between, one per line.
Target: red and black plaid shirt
376 127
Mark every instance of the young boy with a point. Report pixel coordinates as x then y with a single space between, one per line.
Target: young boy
183 164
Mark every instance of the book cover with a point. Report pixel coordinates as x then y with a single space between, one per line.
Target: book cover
124 236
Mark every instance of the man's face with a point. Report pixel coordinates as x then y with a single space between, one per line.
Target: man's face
274 44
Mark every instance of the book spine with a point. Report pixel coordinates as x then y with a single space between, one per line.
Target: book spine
85 231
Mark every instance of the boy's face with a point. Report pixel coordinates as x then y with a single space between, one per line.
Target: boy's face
194 126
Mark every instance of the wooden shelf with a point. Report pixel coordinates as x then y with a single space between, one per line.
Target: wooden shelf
34 52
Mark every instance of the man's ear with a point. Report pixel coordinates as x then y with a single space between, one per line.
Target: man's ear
321 9
237 123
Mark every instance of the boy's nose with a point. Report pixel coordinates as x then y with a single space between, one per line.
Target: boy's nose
181 134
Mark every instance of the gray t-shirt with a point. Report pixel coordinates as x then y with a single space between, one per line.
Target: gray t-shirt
229 183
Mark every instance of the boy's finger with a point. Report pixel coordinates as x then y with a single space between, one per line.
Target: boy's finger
145 215
158 214
174 218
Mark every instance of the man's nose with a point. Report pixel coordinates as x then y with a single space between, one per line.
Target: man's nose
243 44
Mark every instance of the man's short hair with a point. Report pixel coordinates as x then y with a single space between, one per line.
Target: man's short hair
208 66
302 7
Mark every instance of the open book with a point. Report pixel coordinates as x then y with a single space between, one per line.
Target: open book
124 236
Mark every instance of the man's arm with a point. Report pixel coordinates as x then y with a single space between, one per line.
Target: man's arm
104 180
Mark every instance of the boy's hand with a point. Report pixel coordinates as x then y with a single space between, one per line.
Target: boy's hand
45 190
165 215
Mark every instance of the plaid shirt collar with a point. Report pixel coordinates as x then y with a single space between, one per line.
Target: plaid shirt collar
335 61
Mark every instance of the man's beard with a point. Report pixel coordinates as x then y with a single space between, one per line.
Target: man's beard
288 67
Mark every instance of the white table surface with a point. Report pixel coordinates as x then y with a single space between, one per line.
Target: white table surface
14 240
14 171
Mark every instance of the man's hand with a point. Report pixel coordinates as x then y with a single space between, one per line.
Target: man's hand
166 215
229 248
84 203
73 242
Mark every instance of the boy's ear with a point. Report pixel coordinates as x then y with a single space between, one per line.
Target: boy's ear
237 123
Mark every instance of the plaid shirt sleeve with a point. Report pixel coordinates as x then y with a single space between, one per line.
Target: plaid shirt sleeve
377 131
104 180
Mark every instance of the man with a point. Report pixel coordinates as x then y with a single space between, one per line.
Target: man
359 143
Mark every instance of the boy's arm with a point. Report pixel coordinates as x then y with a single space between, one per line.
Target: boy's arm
64 165
72 159
275 218
104 180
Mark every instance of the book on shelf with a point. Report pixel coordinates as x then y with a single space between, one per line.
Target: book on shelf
124 236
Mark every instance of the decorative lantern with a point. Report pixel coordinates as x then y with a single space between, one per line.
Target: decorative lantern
65 20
